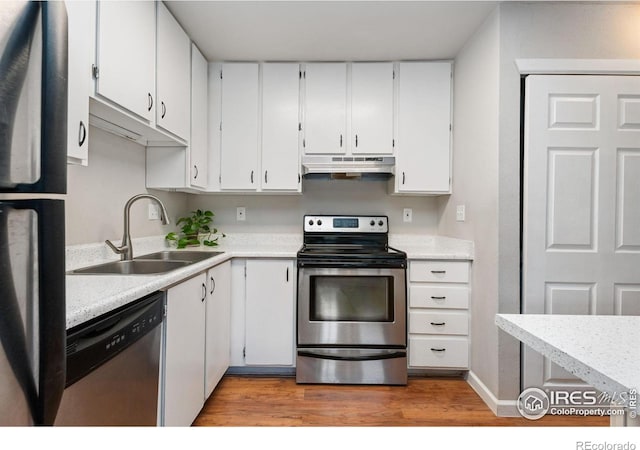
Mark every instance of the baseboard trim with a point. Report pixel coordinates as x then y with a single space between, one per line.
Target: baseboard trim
501 408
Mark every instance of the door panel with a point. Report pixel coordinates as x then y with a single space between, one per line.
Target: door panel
581 204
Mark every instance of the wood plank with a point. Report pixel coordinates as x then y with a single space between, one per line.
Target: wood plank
432 401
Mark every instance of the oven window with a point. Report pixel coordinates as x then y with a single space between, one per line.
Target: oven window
351 298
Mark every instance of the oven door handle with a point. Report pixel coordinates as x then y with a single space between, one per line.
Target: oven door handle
374 357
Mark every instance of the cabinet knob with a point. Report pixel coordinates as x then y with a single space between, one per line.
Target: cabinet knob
164 110
356 140
204 292
195 168
438 349
213 285
265 176
150 99
437 324
403 177
340 141
252 177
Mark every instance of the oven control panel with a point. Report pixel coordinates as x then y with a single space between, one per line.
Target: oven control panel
346 224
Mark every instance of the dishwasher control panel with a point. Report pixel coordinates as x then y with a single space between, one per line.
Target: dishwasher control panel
97 341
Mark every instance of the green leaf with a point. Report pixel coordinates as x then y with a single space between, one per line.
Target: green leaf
208 213
210 243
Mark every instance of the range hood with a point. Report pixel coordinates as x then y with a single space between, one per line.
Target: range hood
348 167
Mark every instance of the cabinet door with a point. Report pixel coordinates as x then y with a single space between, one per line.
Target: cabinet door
423 139
239 140
126 55
173 111
218 329
280 119
81 20
269 315
372 108
198 145
325 108
184 352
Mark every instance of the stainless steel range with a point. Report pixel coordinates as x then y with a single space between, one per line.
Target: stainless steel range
352 303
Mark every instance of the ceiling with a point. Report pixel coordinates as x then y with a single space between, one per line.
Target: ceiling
330 30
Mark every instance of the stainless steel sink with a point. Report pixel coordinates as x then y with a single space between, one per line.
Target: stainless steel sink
179 255
133 267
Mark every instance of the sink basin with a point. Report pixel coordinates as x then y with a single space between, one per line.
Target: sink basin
179 255
133 267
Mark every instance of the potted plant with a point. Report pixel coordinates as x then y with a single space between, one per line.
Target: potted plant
195 230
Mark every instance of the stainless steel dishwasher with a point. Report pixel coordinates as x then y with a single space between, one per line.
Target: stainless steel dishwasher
113 367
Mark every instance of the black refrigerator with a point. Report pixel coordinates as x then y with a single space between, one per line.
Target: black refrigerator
33 147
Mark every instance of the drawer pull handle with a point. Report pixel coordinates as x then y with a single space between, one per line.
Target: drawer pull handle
437 324
438 271
437 297
438 349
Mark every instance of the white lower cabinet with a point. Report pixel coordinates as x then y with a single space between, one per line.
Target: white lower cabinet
218 325
263 312
439 314
184 357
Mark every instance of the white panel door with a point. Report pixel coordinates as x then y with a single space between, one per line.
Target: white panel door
218 325
199 145
280 119
126 53
184 352
581 234
325 108
173 112
239 140
81 20
269 314
423 138
372 108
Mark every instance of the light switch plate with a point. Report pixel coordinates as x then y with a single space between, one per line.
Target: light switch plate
241 213
407 215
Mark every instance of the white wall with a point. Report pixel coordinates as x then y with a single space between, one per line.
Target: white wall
475 184
283 213
486 176
542 30
97 193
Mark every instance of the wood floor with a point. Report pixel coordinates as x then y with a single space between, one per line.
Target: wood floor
270 401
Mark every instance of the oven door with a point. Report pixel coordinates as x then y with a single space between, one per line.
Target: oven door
352 307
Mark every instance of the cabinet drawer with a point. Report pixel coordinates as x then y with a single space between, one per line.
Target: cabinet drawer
439 322
436 352
439 271
454 297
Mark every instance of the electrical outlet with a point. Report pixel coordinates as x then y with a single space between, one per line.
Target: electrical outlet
154 212
460 213
407 215
241 213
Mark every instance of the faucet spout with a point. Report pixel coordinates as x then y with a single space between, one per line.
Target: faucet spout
126 249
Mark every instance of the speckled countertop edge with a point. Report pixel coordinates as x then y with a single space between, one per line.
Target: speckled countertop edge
601 350
89 296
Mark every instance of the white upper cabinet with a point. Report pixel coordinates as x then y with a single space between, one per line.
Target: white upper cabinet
372 108
239 135
198 144
325 108
126 55
81 20
280 121
423 139
173 75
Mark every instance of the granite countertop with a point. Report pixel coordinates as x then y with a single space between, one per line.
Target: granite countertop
89 296
601 350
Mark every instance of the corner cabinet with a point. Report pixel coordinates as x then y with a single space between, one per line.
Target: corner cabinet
263 313
439 314
423 123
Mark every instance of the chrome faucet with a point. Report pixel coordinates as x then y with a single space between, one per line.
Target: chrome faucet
126 249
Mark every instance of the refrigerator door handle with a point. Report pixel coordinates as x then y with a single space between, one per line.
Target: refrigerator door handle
52 309
12 333
44 399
